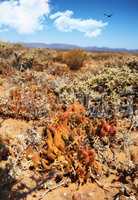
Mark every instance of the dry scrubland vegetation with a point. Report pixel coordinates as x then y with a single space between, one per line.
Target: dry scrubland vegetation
68 124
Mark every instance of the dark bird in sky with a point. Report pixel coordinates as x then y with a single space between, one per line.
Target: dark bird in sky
107 15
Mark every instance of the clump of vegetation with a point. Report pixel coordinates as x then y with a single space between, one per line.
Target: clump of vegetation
101 93
68 145
133 64
74 58
27 103
5 68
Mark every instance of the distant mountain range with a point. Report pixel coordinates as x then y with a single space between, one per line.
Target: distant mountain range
69 46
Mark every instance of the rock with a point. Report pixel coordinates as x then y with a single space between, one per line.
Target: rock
11 128
89 192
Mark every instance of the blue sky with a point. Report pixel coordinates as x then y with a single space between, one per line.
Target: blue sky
80 22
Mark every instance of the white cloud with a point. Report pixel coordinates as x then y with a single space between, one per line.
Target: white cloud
66 23
25 16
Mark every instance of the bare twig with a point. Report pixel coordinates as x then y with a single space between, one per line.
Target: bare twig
97 182
52 188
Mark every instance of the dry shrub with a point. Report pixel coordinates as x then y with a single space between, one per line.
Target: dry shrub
59 56
74 58
38 66
25 103
68 138
133 64
56 68
5 53
5 68
71 124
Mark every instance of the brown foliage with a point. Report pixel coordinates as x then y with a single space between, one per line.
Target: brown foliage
5 68
33 155
66 138
74 58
